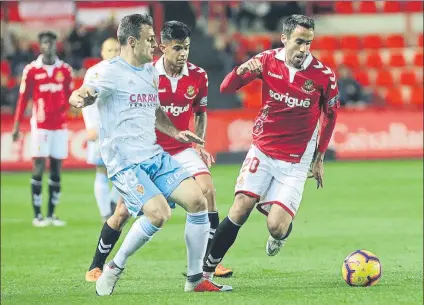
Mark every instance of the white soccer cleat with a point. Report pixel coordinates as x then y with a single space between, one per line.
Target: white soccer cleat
273 245
107 281
206 285
39 222
54 221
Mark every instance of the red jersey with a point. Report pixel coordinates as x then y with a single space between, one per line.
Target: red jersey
292 103
49 86
179 98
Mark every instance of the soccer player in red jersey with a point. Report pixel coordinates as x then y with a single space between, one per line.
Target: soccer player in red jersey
48 82
297 89
183 91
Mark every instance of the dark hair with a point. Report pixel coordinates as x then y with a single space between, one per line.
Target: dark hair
294 20
131 25
48 34
174 30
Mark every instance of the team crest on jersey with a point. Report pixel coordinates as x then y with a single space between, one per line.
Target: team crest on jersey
140 189
94 76
191 93
308 86
59 77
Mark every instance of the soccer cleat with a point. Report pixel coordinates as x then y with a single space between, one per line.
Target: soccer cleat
55 221
221 271
108 279
206 285
39 222
93 274
273 245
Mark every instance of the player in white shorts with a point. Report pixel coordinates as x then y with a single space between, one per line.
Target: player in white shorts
299 93
106 199
48 82
275 181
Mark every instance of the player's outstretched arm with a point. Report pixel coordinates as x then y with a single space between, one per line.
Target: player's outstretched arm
241 76
164 125
82 97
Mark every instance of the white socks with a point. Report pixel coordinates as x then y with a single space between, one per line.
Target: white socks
101 192
140 234
196 237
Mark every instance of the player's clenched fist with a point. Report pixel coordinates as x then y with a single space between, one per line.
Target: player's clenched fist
82 97
252 65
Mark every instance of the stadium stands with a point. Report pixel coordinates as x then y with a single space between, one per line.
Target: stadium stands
377 60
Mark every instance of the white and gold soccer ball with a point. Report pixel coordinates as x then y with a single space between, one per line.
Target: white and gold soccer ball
361 268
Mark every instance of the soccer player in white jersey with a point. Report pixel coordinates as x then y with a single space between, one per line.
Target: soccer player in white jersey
146 177
106 200
183 93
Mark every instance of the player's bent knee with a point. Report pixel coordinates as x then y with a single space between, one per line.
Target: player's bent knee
241 208
210 195
120 216
278 223
277 229
197 204
206 185
244 203
157 211
159 217
122 212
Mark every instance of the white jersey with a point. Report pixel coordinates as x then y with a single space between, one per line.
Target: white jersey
91 113
127 103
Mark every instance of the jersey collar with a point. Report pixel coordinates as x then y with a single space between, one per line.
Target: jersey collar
281 55
39 62
161 68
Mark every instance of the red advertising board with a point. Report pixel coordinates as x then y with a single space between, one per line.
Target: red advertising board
359 134
17 156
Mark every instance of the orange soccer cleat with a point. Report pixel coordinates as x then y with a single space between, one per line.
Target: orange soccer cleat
93 274
221 271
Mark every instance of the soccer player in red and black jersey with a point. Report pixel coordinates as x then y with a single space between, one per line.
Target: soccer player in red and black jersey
297 89
48 82
183 92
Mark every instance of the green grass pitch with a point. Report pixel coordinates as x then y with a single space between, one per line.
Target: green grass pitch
375 206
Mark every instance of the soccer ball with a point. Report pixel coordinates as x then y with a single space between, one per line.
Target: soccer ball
361 268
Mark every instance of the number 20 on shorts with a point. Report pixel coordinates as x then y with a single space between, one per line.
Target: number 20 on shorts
252 164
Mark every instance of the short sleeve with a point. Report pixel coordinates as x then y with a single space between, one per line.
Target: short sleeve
101 78
201 100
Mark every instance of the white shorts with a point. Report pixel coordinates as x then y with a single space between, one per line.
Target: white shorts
49 143
274 181
191 161
93 153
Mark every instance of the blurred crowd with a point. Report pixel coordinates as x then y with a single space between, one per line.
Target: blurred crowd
222 21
